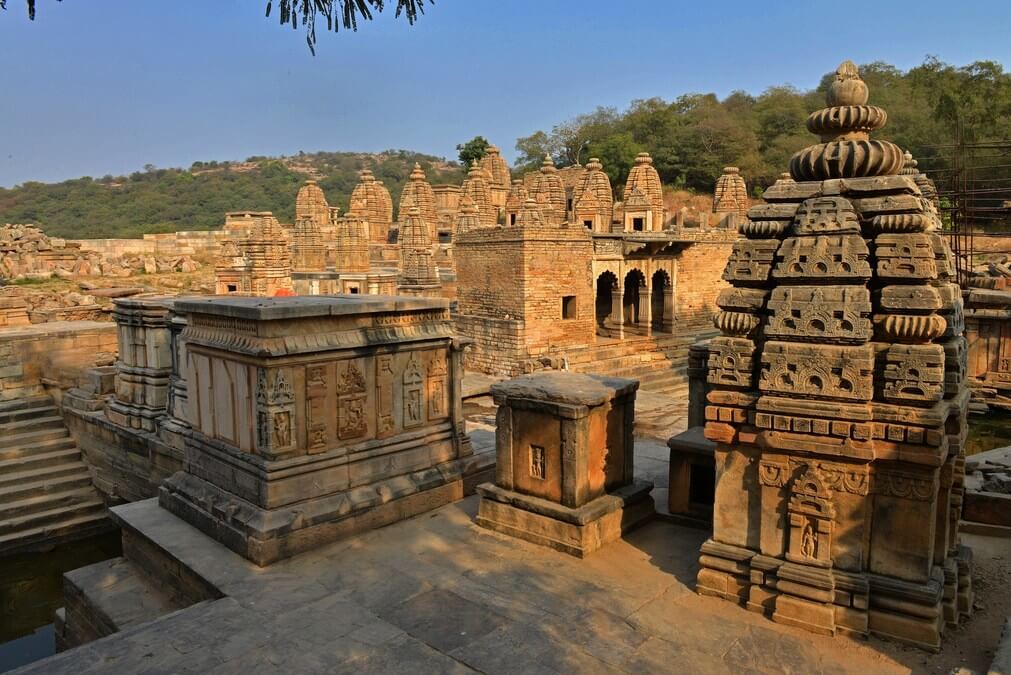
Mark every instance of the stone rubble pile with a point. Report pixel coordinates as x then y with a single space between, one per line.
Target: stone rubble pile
993 275
990 471
27 252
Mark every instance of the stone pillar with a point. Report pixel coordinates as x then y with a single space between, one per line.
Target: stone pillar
646 297
698 383
176 422
564 471
145 362
616 320
668 307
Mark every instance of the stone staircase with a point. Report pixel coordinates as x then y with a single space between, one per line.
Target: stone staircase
659 361
46 494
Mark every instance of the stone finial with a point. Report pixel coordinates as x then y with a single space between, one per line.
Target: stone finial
846 150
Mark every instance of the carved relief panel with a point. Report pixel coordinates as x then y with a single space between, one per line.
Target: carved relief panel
820 313
352 403
810 515
385 386
913 374
751 261
818 370
437 389
413 392
840 257
275 411
905 257
824 215
731 362
316 408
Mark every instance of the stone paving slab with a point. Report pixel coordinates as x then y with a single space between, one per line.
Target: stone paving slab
439 594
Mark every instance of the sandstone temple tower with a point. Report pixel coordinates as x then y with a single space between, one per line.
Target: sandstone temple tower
476 187
644 180
371 200
549 193
838 401
731 194
418 192
418 272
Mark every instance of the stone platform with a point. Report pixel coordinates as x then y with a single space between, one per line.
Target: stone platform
439 594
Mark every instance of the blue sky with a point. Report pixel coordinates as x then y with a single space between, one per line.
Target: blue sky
106 86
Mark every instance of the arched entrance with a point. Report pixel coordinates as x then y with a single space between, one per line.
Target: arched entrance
607 282
634 281
661 288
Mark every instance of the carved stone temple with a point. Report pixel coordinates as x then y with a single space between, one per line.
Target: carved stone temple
312 419
838 398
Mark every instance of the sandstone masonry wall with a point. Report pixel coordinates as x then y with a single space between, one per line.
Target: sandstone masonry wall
699 280
55 353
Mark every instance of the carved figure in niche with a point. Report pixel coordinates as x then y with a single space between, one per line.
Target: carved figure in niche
807 546
384 394
351 401
537 462
823 215
414 410
282 429
810 515
315 403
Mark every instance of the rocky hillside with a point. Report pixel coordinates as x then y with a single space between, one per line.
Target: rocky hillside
168 200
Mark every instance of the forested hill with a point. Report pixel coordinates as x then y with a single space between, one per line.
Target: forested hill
167 200
694 135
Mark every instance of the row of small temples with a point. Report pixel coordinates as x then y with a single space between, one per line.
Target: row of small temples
535 267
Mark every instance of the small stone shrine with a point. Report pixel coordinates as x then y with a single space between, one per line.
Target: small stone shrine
418 272
838 401
564 454
312 419
731 194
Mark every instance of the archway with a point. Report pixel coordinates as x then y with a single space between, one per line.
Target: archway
634 280
606 283
661 287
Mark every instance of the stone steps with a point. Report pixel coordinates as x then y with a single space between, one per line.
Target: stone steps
108 597
23 403
35 423
46 491
45 500
50 481
26 413
34 537
73 507
58 451
15 445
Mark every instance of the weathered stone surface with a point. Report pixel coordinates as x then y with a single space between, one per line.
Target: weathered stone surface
261 379
564 462
839 473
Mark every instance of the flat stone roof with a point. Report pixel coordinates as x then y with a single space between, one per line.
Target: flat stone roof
306 306
564 387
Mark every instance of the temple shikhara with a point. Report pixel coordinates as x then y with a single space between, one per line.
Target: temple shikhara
527 422
838 396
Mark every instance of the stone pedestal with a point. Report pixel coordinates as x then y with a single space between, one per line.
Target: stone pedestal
13 312
312 419
145 362
564 451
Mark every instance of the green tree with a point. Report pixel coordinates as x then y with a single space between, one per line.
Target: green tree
472 151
